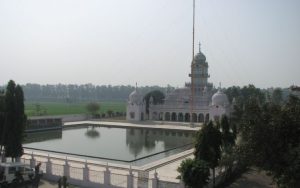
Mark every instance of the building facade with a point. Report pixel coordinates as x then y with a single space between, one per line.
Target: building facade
195 102
136 106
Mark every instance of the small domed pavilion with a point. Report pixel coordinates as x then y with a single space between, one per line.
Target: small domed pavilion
136 106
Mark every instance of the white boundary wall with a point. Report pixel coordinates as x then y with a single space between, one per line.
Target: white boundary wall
95 175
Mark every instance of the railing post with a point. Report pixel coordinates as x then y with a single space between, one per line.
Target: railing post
130 178
143 178
85 173
48 166
107 177
155 180
32 161
3 158
66 168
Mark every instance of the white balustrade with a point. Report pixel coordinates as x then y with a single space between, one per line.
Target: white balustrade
93 175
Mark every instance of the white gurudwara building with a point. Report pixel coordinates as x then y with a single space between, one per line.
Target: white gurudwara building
179 105
136 106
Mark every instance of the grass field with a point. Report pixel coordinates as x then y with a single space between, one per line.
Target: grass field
54 108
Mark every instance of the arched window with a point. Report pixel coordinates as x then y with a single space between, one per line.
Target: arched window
132 115
180 117
194 117
201 118
174 117
167 116
161 115
187 117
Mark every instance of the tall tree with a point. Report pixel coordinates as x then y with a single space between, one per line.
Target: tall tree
2 118
244 94
208 146
15 120
21 120
284 164
227 134
158 98
270 139
9 124
251 91
233 92
229 156
194 173
277 97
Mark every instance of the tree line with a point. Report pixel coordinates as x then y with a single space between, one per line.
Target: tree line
90 92
82 93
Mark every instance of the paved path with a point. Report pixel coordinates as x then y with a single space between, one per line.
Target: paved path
253 178
169 172
47 184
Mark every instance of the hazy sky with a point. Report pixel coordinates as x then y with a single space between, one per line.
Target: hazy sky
149 41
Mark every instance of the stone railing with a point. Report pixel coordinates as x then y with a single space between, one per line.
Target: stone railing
94 174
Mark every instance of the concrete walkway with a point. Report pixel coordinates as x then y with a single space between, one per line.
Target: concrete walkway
253 178
146 124
47 184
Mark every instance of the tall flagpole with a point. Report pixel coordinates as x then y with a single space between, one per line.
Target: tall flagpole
193 30
192 67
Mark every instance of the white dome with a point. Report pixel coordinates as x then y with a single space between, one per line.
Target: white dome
135 97
200 57
220 99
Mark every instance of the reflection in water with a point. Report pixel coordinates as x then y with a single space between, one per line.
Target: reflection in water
139 139
92 133
113 143
42 136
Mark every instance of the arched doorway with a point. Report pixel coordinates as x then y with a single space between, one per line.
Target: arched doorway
167 116
174 117
132 115
194 117
187 117
161 116
180 117
201 118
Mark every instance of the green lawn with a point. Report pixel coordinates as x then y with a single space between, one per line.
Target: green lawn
54 108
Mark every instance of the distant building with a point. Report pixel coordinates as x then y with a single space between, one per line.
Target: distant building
178 103
136 106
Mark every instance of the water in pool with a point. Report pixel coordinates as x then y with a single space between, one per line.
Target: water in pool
122 144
